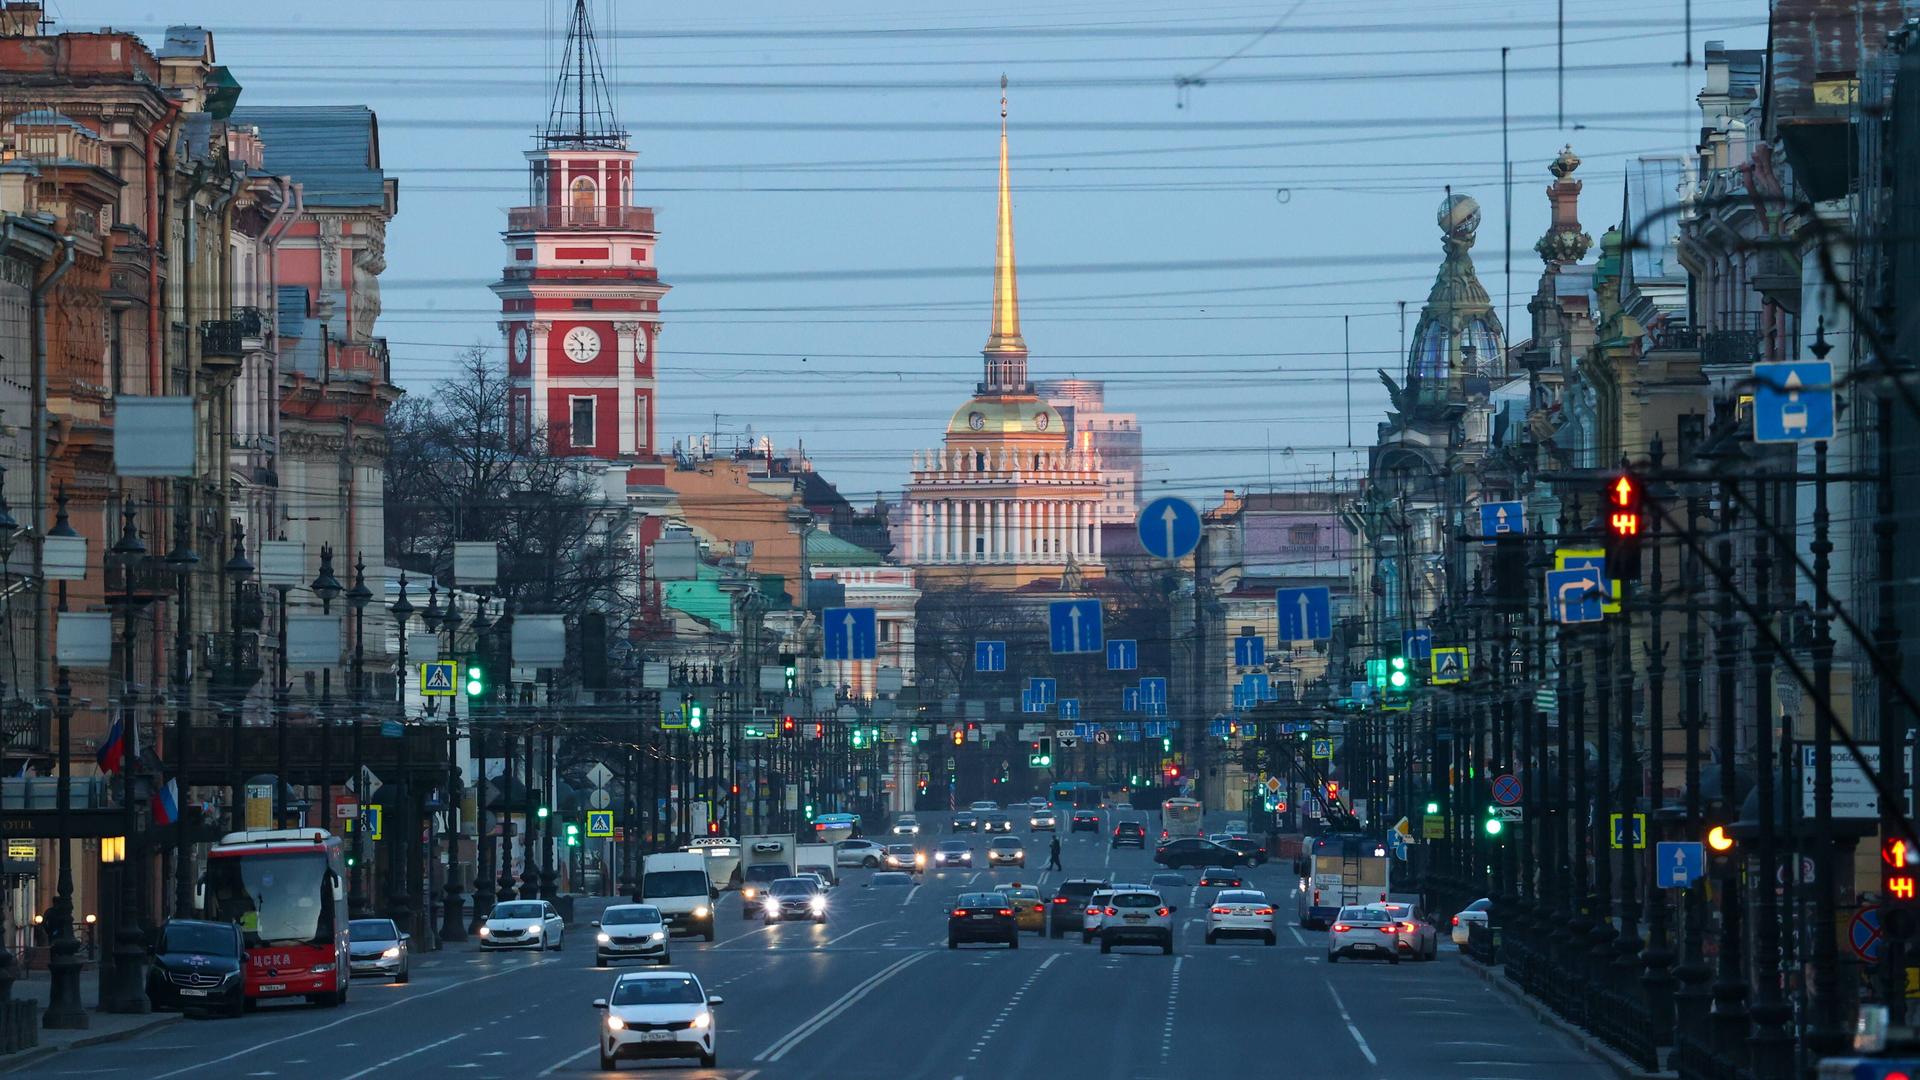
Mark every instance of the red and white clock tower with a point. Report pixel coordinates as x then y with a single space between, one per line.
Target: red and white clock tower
580 295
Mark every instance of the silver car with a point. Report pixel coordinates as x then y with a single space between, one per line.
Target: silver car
376 947
523 924
1417 939
631 932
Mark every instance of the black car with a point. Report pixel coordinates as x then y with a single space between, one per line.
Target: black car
1132 833
1220 877
1068 911
1085 821
197 965
982 917
1250 850
1193 851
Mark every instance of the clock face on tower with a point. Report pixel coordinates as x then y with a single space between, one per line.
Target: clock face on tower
582 344
522 345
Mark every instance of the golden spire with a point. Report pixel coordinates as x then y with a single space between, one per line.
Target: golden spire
1006 351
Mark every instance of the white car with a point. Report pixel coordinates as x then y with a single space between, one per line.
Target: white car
825 885
1235 828
906 825
1417 940
984 806
657 1014
1042 819
631 932
859 853
1475 912
1240 913
1137 917
1363 932
1096 911
523 924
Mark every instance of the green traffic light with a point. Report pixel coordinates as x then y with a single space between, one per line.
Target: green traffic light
1397 680
1166 745
541 813
1494 826
1433 807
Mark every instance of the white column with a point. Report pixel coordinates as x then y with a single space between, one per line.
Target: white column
1076 545
933 532
942 537
1002 510
1097 544
1053 530
968 511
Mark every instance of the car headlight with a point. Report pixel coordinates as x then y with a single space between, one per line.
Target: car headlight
319 969
749 893
658 935
535 930
702 911
772 905
818 904
485 931
392 953
602 938
614 1023
703 1020
919 860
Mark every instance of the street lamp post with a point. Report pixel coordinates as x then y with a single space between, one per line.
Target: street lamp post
129 991
64 1010
182 560
399 903
452 926
357 598
482 850
236 571
327 588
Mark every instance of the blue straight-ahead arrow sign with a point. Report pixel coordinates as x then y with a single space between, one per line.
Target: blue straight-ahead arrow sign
851 632
1123 654
1249 650
1678 863
1073 626
1153 690
1169 528
1043 690
989 656
1499 519
1305 614
1793 402
1069 708
1129 699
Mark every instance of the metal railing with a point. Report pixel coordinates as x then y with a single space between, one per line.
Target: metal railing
544 218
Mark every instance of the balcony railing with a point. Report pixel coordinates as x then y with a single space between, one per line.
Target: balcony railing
1730 347
1676 338
546 218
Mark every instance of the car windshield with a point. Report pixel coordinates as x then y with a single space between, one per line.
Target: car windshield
1007 843
982 899
1480 905
953 845
963 817
1134 900
628 914
1241 896
1363 915
277 898
200 938
794 887
907 821
658 990
673 883
892 877
902 850
1218 871
1078 889
1130 826
372 930
1023 894
520 910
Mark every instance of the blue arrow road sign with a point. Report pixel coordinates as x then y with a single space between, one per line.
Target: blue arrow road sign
1294 727
1499 519
1679 862
1044 690
1129 699
1257 685
1027 704
1169 528
1243 697
1417 644
1123 654
1576 596
1792 402
1069 708
1305 614
989 656
1249 650
1217 727
851 632
1073 626
1158 729
1153 691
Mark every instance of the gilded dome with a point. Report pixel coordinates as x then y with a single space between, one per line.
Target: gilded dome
1006 416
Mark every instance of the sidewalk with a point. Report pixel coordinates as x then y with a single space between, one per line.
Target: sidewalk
102 1026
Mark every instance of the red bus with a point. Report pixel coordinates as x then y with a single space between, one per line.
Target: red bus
286 890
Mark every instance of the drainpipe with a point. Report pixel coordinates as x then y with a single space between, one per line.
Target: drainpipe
38 418
293 203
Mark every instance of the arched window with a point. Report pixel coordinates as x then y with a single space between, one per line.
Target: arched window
581 198
979 461
1430 354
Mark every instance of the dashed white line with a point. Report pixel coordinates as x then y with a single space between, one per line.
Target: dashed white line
911 893
814 1023
1360 1040
1173 1000
1295 931
394 1060
568 1060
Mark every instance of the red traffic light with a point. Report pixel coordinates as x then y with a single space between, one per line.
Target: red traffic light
819 731
786 725
1624 520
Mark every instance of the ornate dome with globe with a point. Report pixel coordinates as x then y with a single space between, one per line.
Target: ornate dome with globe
1459 216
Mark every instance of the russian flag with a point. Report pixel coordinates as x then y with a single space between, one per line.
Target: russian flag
166 803
112 754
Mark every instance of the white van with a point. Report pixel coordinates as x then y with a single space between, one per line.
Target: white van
817 859
677 883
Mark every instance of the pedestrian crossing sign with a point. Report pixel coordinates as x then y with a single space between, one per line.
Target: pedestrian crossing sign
436 678
1449 665
375 819
599 823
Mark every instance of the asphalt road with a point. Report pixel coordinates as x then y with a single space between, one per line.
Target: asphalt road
874 992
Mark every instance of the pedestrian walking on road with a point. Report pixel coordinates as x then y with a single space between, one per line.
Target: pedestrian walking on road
1053 854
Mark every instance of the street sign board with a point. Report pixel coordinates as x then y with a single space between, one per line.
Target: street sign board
1169 528
1854 796
1449 665
1249 650
1295 727
1028 704
1305 614
1499 519
1580 559
600 824
1123 654
851 632
989 656
1793 402
1509 813
376 818
1158 729
1323 749
1069 708
1506 789
1129 699
1628 830
1044 690
436 679
1217 727
1679 862
1259 687
1863 933
1576 596
1417 644
1273 785
1073 626
1433 827
1153 690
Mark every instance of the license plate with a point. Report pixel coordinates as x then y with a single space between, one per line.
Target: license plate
192 993
656 1036
983 916
268 987
1136 918
1368 948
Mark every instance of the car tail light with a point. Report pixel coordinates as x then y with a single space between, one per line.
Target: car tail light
1408 927
1222 911
1039 907
1062 900
1006 911
1392 929
1164 912
1456 920
1093 911
1341 928
959 913
1263 911
1113 911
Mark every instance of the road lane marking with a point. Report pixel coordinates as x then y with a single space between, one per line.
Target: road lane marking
395 1060
347 1020
569 1059
779 1048
1295 931
848 934
1365 1050
911 893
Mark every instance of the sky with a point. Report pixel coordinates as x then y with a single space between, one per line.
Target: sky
1220 208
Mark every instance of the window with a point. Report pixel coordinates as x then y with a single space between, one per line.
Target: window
581 432
581 193
583 305
640 433
1303 535
522 415
979 461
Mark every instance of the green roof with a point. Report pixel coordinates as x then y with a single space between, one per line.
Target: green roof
703 599
826 549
